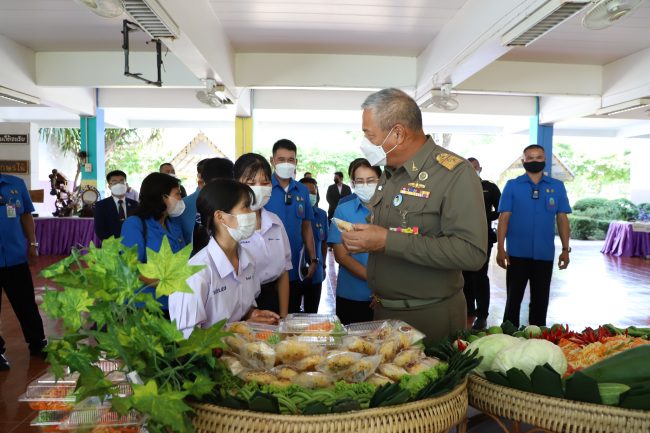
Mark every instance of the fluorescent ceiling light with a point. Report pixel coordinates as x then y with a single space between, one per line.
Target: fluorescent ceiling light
541 21
634 104
20 97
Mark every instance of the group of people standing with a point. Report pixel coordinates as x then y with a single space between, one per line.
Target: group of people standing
419 232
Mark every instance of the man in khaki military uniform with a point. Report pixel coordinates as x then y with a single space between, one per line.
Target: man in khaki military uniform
427 220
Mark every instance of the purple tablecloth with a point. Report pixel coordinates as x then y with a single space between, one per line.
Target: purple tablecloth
622 241
57 236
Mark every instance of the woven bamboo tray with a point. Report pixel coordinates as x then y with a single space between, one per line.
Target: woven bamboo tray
551 414
432 415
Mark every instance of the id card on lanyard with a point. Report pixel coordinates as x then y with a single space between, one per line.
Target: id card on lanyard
11 210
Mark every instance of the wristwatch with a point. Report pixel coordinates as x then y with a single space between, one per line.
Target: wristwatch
568 250
33 244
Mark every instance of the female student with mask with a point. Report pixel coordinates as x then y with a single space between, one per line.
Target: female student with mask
269 245
353 296
228 285
154 218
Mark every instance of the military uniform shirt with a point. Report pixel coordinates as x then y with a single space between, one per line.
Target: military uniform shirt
439 194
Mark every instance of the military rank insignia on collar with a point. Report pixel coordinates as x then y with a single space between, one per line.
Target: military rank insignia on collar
448 161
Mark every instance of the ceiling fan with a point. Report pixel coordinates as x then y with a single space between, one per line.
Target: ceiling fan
209 95
604 13
104 8
444 100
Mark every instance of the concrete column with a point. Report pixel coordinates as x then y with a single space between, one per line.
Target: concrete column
542 135
93 173
243 135
639 173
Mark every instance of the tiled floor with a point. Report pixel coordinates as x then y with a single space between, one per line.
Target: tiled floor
594 289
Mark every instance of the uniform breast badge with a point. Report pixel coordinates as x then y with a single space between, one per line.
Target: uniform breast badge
423 176
448 161
397 200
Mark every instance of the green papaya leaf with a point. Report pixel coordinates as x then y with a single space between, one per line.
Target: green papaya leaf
166 408
201 386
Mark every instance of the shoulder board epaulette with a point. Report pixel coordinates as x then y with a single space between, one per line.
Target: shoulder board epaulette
448 161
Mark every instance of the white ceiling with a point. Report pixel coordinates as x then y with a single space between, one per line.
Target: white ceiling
328 48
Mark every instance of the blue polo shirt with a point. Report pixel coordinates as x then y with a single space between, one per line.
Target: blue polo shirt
320 228
291 216
188 217
347 285
531 228
132 234
13 244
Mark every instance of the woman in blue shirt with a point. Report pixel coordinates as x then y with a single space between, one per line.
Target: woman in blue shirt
353 296
156 217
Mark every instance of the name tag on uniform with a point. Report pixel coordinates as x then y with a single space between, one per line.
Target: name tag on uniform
406 230
415 192
219 290
11 211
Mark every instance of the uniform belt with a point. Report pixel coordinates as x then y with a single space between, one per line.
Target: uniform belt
410 303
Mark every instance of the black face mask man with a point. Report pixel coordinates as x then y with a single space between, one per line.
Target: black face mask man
534 166
534 159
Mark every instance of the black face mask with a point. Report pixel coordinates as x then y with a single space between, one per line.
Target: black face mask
534 166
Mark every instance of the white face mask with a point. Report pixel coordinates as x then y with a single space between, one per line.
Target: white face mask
119 189
365 191
262 196
246 224
176 207
285 170
376 155
478 173
312 199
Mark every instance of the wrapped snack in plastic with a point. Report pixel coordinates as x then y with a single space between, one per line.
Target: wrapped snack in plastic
309 363
338 361
357 344
235 343
414 336
290 350
49 396
258 354
283 372
313 379
234 365
391 371
421 365
386 331
389 348
408 356
259 376
360 370
378 379
367 329
242 329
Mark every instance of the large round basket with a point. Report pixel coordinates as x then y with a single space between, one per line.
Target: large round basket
553 414
431 415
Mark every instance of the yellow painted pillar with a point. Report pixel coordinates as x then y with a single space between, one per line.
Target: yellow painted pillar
243 135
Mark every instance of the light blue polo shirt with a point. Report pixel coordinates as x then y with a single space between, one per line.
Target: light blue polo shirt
188 217
347 285
531 228
13 243
291 216
320 229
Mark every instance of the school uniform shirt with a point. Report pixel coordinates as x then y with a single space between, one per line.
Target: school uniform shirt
217 291
320 230
14 202
133 234
349 286
269 248
531 227
292 216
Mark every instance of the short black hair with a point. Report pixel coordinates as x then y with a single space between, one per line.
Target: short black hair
307 173
285 143
249 164
534 146
309 180
115 173
217 168
152 190
164 164
472 159
199 165
339 174
363 162
354 161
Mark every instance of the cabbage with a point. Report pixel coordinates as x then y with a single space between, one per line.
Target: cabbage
488 347
529 354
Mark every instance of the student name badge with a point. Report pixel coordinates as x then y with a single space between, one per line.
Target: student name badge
11 211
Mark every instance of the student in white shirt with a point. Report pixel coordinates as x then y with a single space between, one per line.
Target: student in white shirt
269 245
228 285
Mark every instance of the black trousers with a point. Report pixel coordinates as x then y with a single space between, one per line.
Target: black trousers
268 298
16 281
519 273
349 311
306 293
477 289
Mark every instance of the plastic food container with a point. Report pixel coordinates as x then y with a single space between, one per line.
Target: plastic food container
103 419
299 323
48 421
49 396
365 329
49 378
109 365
